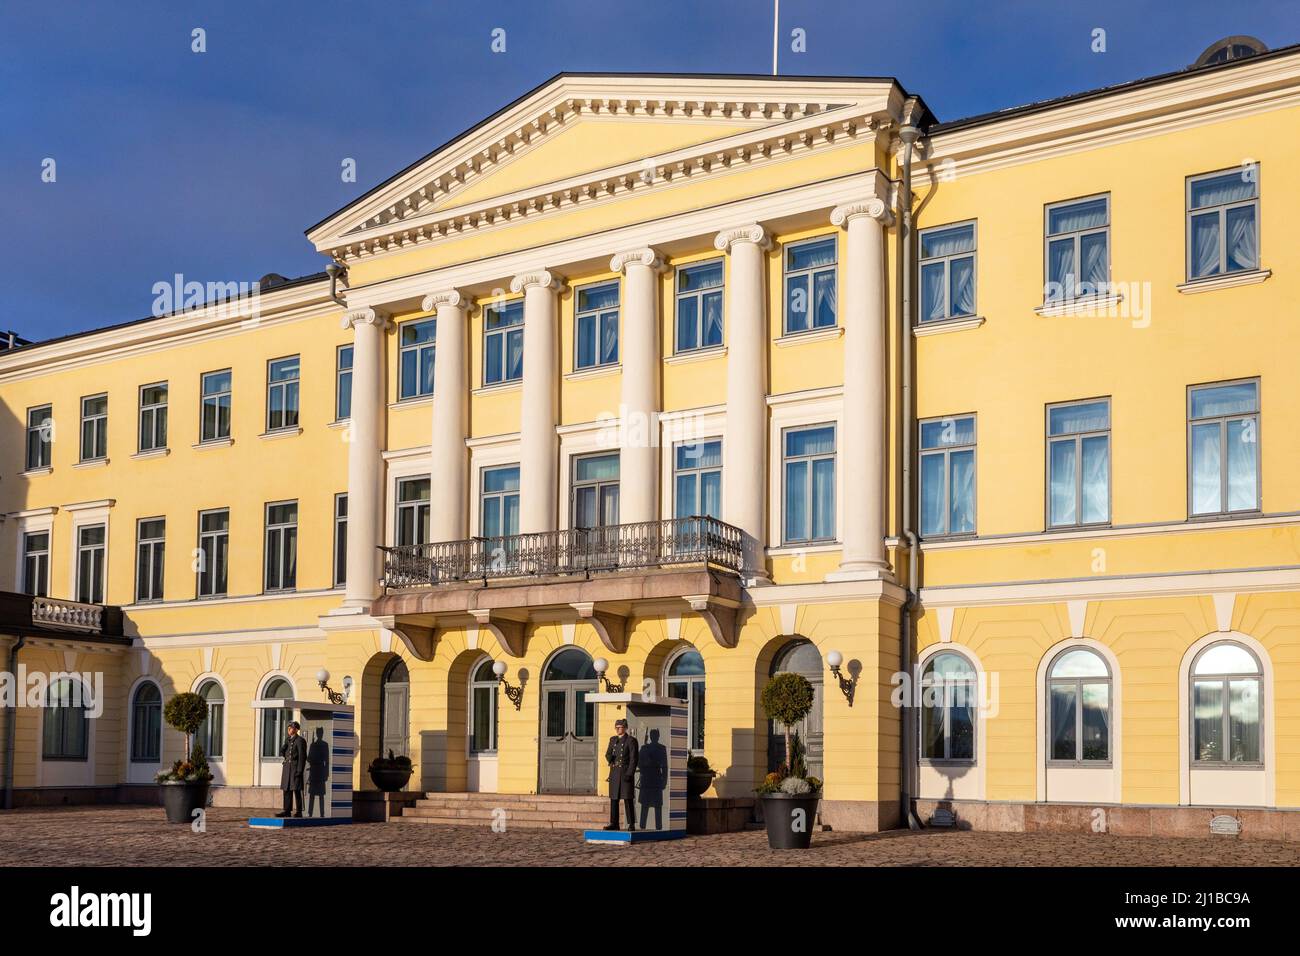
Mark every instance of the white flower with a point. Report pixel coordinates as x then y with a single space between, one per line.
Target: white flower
795 786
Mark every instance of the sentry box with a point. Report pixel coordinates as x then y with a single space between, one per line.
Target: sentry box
330 732
659 726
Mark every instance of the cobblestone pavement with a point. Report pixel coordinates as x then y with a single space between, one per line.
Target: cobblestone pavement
140 836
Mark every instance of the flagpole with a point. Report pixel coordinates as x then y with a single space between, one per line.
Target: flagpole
776 29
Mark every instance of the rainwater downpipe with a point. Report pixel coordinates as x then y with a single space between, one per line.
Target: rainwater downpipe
11 722
908 134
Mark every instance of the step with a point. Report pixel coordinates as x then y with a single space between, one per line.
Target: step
503 799
518 824
510 814
487 806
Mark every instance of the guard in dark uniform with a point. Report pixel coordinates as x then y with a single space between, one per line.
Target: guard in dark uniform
621 755
294 755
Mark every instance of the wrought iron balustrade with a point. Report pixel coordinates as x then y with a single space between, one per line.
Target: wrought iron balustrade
645 544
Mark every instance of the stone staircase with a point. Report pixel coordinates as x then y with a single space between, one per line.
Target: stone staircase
550 811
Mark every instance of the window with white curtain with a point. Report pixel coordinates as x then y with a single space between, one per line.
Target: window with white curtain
1078 249
412 511
1078 709
282 546
809 470
1078 463
211 734
948 475
1223 222
1223 448
415 354
684 679
282 391
595 326
503 342
810 294
483 698
275 720
947 713
699 306
1227 706
499 504
947 272
697 479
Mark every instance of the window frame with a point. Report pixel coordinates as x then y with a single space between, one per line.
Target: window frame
290 388
505 332
1258 415
497 497
340 539
215 537
203 737
1225 681
281 531
922 262
493 718
599 484
421 508
45 447
974 682
598 317
99 566
698 295
690 680
418 349
341 390
135 755
698 472
809 274
810 541
157 548
1077 235
1222 209
216 398
157 412
62 756
42 557
1049 440
99 426
945 451
1079 763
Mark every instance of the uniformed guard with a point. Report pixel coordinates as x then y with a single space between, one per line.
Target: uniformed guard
621 755
294 755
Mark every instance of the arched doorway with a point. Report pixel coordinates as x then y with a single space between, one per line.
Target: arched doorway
395 709
568 738
799 657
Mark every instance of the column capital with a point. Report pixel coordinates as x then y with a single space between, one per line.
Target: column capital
752 232
452 297
875 208
369 316
537 279
645 256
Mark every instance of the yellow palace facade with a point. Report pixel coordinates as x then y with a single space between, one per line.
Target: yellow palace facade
676 382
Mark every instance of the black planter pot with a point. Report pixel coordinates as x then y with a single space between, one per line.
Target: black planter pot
180 800
697 782
787 828
390 779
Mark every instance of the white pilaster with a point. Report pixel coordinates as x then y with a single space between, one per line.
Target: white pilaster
639 350
861 449
745 449
447 520
539 448
365 462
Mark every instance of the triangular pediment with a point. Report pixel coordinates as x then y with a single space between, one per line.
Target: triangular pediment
583 136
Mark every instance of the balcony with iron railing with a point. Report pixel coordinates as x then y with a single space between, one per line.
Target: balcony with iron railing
697 540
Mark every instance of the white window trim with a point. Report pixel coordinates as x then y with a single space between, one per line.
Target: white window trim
980 767
494 452
470 684
419 466
31 522
83 515
1221 208
130 725
1115 768
595 438
974 254
576 372
708 423
217 764
1066 305
820 407
822 331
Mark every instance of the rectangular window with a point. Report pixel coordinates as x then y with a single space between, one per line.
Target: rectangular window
1078 249
153 416
947 475
595 326
151 536
92 542
1078 463
1223 448
1223 222
499 502
40 436
415 358
697 479
699 306
65 724
503 343
343 383
810 291
809 469
413 511
340 540
282 546
94 428
215 412
595 491
282 394
947 272
214 552
36 563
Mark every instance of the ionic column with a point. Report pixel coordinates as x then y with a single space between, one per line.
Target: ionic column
639 355
365 462
539 450
448 518
744 471
862 447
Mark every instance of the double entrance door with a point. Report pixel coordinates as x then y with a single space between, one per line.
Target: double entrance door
569 742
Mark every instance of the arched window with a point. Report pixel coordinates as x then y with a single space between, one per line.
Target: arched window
395 709
146 724
948 709
1227 706
66 730
483 709
212 732
570 664
275 719
1079 708
684 678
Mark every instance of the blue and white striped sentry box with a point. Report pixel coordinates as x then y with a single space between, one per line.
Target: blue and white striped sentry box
330 732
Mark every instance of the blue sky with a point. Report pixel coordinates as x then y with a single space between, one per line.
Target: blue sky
213 164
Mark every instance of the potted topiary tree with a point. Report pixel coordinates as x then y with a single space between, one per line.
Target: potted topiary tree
185 785
390 774
789 795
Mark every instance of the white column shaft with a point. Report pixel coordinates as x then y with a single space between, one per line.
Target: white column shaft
450 457
538 444
639 355
365 460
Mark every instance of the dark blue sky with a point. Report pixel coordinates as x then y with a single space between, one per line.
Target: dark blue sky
212 164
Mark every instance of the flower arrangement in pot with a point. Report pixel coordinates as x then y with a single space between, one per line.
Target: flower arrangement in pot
390 774
789 795
699 777
185 786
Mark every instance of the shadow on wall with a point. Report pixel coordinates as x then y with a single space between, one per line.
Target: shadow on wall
951 773
14 489
737 780
433 760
